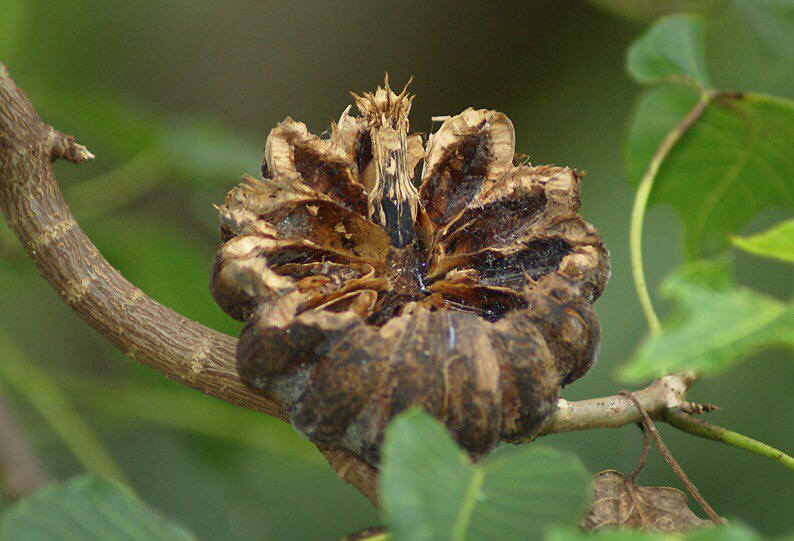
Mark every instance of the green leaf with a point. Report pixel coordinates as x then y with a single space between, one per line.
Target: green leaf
657 112
718 328
430 490
88 509
734 162
716 274
609 534
777 242
672 49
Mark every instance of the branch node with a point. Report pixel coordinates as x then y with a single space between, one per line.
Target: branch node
696 408
64 147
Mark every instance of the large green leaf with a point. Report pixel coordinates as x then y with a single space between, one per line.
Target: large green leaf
88 509
672 49
718 327
430 490
777 242
734 162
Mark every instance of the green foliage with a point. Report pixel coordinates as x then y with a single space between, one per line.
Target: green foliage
430 490
735 161
89 509
672 49
732 164
48 399
772 22
733 532
719 326
777 242
656 114
719 159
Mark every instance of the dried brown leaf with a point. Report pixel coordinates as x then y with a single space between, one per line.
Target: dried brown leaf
620 504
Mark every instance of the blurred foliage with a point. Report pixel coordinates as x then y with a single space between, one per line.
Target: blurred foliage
719 326
648 10
430 490
167 95
734 532
671 50
776 242
88 509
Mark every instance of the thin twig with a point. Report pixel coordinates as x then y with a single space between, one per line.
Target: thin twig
668 457
617 411
687 423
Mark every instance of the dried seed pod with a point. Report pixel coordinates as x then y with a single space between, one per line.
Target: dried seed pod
468 293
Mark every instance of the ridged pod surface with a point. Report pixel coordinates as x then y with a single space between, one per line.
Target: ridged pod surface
367 288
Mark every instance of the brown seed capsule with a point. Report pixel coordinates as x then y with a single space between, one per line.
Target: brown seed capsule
469 295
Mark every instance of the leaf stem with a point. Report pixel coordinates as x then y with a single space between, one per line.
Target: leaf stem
692 425
641 204
47 398
648 425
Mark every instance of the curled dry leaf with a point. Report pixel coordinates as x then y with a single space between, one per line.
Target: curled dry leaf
468 292
661 509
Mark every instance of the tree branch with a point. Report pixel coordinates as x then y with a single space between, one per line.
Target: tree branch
682 420
616 411
150 333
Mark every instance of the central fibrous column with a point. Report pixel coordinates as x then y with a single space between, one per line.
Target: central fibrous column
393 199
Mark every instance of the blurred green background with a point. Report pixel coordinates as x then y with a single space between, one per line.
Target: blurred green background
176 98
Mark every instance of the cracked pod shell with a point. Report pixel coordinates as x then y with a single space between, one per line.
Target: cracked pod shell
468 293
